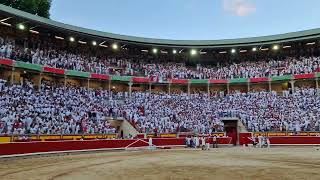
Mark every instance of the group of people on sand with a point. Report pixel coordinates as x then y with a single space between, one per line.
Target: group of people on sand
260 141
202 142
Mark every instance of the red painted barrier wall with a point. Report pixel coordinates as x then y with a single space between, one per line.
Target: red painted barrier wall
244 138
294 140
37 147
283 140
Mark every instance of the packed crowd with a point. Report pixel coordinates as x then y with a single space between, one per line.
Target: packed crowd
59 110
162 71
70 110
260 111
52 110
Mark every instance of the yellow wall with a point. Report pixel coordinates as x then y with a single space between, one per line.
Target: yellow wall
241 87
199 88
160 88
305 83
280 86
119 87
16 77
5 73
257 87
179 89
140 88
5 139
77 82
96 84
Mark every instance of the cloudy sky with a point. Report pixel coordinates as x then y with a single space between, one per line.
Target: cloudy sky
190 19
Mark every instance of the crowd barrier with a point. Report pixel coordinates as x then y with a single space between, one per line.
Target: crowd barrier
295 140
28 138
245 138
34 147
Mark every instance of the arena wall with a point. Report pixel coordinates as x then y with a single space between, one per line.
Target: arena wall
245 138
17 148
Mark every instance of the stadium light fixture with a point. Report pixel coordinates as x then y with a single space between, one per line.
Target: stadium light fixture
223 52
71 39
163 52
33 31
264 49
21 27
2 21
193 52
233 51
145 50
115 46
94 43
254 49
174 51
6 24
58 37
243 51
311 43
155 51
275 47
82 42
102 44
285 47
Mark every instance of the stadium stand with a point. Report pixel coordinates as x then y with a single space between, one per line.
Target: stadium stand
51 85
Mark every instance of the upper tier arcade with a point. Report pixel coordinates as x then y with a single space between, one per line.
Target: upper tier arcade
14 17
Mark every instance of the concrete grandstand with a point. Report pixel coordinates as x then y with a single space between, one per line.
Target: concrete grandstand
163 88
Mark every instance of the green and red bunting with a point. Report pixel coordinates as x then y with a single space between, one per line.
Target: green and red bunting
37 67
259 80
238 80
304 76
121 78
77 73
53 70
199 81
7 62
23 65
218 81
140 80
99 76
281 78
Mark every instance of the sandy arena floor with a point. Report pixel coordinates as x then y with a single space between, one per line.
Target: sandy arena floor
224 163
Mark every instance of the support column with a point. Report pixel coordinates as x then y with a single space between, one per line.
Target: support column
109 85
109 88
270 87
169 88
65 81
228 88
39 83
248 86
12 76
188 90
292 85
208 90
150 88
130 88
88 84
317 86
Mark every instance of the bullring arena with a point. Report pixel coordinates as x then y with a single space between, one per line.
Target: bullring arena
83 104
221 163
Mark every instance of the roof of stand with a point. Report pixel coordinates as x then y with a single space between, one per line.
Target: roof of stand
58 26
